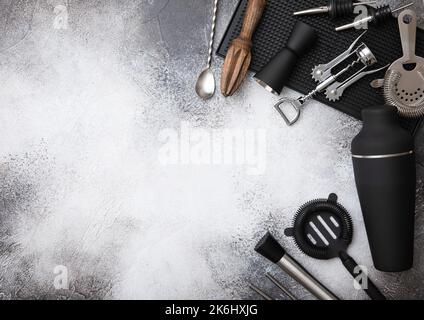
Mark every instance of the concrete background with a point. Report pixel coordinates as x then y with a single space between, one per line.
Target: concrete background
84 99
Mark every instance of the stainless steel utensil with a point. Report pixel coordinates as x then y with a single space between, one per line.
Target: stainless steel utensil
277 283
260 292
205 85
403 83
280 286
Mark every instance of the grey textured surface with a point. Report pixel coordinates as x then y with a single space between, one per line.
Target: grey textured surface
81 185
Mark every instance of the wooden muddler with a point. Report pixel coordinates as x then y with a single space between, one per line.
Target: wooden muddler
239 54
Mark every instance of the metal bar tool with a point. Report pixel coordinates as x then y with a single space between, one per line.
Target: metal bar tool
277 283
290 108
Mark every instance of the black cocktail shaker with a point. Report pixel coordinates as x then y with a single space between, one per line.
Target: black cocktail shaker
385 174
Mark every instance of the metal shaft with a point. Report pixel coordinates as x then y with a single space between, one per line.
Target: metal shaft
297 272
364 3
403 7
280 286
212 36
260 292
319 10
355 24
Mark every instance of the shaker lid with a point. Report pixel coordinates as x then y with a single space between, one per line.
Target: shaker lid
382 134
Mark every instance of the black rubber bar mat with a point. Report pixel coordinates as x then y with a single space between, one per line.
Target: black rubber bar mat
275 28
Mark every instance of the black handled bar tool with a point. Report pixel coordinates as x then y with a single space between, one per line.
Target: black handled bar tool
273 251
335 8
376 16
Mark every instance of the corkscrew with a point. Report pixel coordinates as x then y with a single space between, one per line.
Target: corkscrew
290 109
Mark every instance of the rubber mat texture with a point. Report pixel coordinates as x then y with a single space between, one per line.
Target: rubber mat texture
275 28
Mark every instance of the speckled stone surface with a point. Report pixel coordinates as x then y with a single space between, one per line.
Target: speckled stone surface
88 88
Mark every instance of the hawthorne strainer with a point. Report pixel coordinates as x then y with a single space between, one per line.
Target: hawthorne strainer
403 83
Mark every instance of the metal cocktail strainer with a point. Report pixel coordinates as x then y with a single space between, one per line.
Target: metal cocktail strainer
403 83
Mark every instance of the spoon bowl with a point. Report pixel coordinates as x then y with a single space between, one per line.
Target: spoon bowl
205 85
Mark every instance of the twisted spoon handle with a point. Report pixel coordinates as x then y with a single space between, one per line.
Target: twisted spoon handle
212 36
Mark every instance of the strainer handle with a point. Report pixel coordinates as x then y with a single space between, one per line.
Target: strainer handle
355 270
408 34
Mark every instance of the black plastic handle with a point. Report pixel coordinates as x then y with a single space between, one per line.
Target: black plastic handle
340 8
350 264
